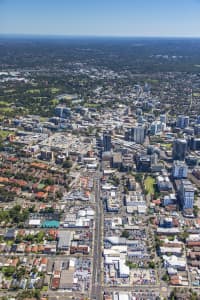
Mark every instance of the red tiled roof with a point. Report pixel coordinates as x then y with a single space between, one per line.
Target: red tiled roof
193 243
41 195
44 261
55 283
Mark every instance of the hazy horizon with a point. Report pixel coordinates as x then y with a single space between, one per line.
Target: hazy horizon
113 18
37 35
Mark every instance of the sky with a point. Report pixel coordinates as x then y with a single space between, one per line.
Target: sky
163 18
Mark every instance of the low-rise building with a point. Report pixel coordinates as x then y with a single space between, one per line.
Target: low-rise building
64 240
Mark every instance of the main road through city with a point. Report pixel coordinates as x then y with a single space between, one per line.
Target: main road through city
96 292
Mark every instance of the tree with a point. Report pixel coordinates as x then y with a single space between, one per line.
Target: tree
131 265
158 242
125 234
115 180
28 294
30 238
67 164
194 296
32 209
125 190
20 273
49 181
165 277
184 235
138 177
18 239
49 210
196 210
18 215
8 271
40 236
59 194
152 265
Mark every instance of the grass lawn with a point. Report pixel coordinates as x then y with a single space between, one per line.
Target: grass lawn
9 243
153 81
33 91
43 119
6 109
149 185
4 104
167 146
54 90
196 94
5 133
9 91
92 105
55 101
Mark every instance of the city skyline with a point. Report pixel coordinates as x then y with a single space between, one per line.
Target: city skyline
101 18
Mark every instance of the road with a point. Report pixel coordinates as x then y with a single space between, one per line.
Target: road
133 288
96 289
194 179
191 100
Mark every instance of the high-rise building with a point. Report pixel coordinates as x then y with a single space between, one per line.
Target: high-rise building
198 119
156 128
179 170
179 149
195 144
63 112
139 111
163 119
197 129
143 163
107 141
182 121
186 194
138 134
47 154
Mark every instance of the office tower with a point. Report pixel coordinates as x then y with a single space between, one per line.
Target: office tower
62 112
156 128
198 120
195 144
197 129
163 119
138 134
186 194
182 121
179 170
179 149
107 141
